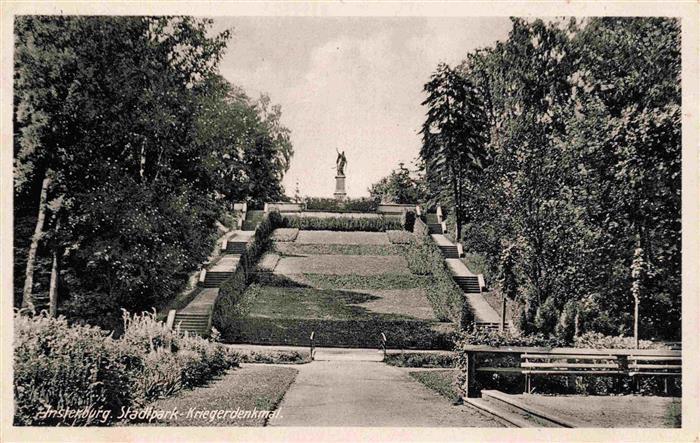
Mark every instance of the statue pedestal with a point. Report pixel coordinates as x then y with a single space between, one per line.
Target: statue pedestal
339 193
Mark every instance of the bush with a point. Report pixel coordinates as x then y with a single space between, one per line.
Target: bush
273 357
371 224
334 205
421 360
447 299
59 366
596 340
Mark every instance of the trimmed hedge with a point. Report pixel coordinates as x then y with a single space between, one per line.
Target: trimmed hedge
370 224
422 359
401 334
230 305
445 296
334 205
58 366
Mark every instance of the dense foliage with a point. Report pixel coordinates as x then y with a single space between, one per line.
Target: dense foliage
371 224
335 205
402 186
59 367
128 147
581 168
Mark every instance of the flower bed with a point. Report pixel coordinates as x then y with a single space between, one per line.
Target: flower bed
58 366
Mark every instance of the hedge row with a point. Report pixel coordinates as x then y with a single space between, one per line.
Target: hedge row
230 305
371 224
58 366
334 205
445 296
401 334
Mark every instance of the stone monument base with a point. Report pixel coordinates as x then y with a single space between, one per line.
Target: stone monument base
339 193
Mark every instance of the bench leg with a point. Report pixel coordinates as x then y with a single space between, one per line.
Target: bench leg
666 385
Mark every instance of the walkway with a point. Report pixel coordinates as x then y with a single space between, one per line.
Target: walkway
351 392
441 240
203 302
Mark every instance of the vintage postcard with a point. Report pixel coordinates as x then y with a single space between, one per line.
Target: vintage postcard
349 221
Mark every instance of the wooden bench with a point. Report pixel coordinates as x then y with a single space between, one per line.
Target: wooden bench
572 362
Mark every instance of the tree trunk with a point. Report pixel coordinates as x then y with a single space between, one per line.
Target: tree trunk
27 300
53 293
503 314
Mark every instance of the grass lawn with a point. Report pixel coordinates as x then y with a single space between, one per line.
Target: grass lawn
400 237
441 382
313 303
382 281
295 249
342 238
250 387
284 234
343 264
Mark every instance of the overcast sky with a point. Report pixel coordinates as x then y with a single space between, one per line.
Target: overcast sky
348 83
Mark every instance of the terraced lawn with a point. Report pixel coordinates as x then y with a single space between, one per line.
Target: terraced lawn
342 238
347 288
300 249
343 265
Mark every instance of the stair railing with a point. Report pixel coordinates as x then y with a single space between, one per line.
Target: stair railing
382 344
312 344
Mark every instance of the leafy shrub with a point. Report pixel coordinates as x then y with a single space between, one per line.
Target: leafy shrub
57 366
273 357
421 359
371 224
60 366
596 340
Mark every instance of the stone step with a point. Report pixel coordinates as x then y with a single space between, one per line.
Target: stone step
235 247
449 251
529 412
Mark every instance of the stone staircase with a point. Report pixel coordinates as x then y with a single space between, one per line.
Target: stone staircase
214 279
235 247
468 283
252 219
434 225
449 251
193 322
196 317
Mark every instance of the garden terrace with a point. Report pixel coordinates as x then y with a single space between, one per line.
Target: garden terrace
346 287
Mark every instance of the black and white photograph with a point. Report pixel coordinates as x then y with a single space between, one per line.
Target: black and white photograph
293 222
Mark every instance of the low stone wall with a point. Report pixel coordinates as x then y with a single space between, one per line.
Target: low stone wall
394 208
284 207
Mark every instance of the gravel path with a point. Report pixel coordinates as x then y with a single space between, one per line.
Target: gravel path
367 393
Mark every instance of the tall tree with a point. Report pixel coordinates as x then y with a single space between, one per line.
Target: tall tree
454 135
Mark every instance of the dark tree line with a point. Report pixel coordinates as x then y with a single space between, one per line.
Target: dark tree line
128 147
566 153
